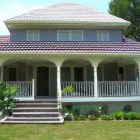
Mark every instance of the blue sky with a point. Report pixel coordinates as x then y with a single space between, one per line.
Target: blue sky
11 8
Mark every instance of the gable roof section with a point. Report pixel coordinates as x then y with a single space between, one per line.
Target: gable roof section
68 12
128 47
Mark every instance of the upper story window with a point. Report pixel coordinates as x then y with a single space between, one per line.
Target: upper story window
32 35
70 35
102 35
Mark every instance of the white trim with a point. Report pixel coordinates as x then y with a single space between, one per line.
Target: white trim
66 22
102 34
33 31
70 31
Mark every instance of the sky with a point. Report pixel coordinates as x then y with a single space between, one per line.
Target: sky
11 8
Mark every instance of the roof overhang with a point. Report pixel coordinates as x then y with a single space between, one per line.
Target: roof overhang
65 24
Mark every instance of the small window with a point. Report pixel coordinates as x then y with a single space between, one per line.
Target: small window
127 109
70 35
102 35
33 35
65 74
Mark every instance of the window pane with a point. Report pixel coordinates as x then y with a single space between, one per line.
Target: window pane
99 36
78 74
36 36
65 74
30 36
105 37
64 36
76 36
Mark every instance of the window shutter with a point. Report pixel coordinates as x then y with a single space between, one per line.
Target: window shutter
99 36
76 36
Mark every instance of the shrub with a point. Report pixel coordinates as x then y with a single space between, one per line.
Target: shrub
6 98
104 117
68 117
92 117
133 116
75 110
84 110
125 116
78 118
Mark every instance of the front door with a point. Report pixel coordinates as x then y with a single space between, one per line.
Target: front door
42 81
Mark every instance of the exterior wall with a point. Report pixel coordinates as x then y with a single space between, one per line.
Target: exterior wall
51 35
111 72
113 106
53 81
130 72
29 73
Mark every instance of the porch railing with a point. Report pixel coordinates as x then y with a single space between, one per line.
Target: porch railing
79 88
25 88
118 88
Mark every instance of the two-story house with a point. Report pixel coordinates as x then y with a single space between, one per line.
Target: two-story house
69 44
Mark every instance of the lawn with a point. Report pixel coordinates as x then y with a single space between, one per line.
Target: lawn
88 130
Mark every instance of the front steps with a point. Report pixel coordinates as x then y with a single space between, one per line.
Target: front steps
35 111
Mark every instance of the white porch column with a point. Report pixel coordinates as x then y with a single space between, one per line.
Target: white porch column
58 84
95 83
139 74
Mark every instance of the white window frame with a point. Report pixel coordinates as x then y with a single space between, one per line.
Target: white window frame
102 35
70 31
33 31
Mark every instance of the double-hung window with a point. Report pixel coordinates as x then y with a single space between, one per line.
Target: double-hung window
70 35
102 35
32 35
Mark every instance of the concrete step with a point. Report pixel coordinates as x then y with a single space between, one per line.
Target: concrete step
32 121
18 105
35 109
35 114
38 101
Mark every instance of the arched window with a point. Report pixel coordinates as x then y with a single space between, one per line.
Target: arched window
127 108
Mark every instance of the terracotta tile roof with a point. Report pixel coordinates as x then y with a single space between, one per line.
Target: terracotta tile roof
5 38
71 12
61 47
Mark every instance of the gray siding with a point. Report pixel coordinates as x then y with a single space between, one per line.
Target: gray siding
51 35
111 72
130 72
53 81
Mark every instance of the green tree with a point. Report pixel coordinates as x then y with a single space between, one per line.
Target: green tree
6 98
128 10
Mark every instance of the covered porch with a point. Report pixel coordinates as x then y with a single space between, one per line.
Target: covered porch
37 78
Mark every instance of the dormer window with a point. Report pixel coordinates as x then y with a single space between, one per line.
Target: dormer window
32 35
102 35
70 35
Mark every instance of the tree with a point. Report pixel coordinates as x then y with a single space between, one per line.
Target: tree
128 10
6 98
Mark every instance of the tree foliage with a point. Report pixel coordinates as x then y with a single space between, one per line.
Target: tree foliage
128 10
6 98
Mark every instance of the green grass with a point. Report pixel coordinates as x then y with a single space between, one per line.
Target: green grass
88 130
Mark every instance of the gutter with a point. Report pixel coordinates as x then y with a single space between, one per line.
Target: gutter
66 22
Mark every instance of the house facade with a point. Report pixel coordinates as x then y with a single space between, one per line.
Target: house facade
71 44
